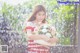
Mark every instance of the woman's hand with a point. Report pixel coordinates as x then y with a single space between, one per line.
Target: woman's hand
53 30
53 40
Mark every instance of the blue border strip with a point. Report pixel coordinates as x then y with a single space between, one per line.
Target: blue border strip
68 2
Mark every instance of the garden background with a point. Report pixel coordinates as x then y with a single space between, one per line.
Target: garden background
62 16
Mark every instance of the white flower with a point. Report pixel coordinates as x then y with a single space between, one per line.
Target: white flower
44 30
48 35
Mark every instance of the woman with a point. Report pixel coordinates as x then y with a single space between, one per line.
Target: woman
37 19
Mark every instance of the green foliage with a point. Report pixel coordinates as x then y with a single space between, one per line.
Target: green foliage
64 40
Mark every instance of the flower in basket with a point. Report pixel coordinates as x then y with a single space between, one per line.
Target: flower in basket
45 29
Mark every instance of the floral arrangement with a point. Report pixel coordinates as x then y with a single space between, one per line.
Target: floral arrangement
45 29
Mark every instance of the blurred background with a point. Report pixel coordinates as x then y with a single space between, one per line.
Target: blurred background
14 13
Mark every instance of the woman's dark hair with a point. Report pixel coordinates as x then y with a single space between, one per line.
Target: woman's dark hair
37 9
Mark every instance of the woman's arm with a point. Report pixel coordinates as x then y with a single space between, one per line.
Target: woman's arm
53 40
38 37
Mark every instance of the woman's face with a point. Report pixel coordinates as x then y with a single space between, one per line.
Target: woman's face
40 16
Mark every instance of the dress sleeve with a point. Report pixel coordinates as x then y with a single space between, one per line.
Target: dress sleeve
29 26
